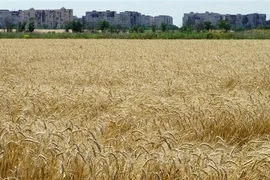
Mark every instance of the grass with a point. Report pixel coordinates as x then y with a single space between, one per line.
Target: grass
134 109
252 34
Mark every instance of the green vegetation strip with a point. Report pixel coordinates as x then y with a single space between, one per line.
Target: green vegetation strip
159 35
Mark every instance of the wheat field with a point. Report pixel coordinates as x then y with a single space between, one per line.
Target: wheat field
134 109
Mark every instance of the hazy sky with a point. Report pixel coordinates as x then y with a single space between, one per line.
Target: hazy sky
176 9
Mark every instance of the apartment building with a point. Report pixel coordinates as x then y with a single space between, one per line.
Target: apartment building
7 16
62 17
130 18
158 20
58 18
248 21
194 19
15 16
53 19
242 21
125 19
4 14
92 18
147 20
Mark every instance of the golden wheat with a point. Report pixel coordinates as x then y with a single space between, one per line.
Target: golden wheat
133 109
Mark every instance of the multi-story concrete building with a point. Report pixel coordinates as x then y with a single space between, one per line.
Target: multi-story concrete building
158 20
58 18
242 21
62 17
267 23
194 19
248 21
4 14
130 18
53 19
15 16
92 18
147 20
125 19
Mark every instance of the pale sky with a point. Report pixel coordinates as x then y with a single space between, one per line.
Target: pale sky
174 8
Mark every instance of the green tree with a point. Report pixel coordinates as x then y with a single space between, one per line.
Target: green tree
119 27
31 26
45 26
103 25
223 24
75 25
67 27
163 27
141 29
21 26
124 29
154 28
113 29
238 29
208 25
199 27
134 29
186 28
172 27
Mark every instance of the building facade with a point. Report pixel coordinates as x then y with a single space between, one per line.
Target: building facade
15 16
51 19
4 15
147 20
126 19
158 20
59 18
130 18
194 19
237 21
92 18
248 21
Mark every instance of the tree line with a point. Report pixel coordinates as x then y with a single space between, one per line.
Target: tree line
207 25
222 25
104 26
78 26
8 25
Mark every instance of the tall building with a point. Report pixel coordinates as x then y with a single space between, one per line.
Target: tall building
267 23
248 21
194 19
158 20
59 18
4 15
15 16
237 21
147 20
52 19
126 19
92 18
130 18
62 17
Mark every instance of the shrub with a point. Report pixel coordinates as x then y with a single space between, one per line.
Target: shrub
26 36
